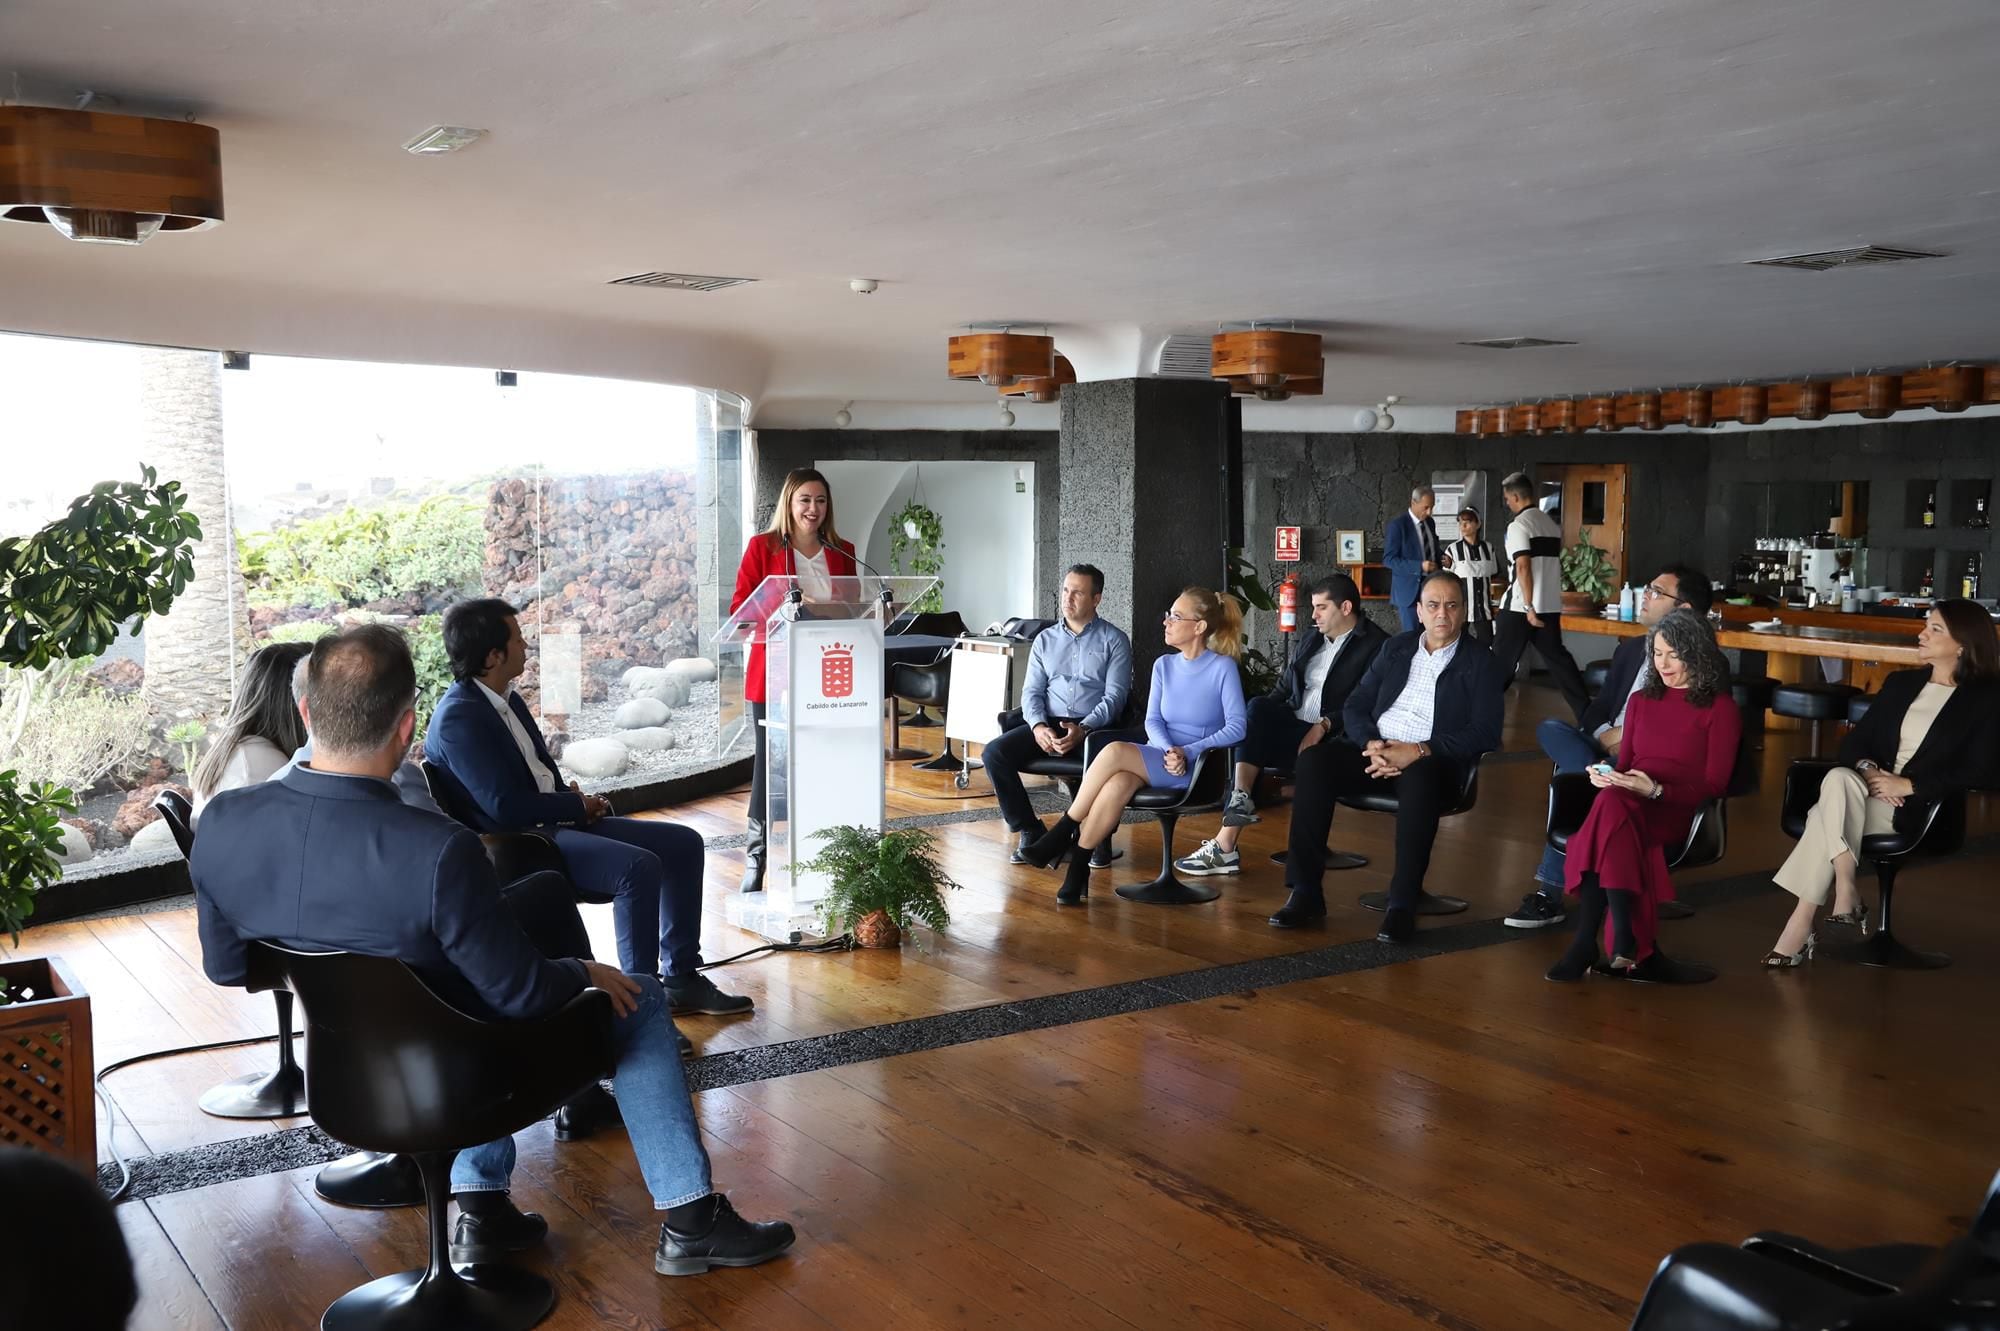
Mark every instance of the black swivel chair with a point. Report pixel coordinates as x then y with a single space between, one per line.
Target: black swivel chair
1814 703
927 684
514 854
1207 785
1384 800
1594 676
281 1092
400 1070
1941 831
1706 842
1068 769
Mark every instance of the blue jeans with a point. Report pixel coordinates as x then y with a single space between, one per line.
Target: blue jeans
1572 751
652 872
652 1094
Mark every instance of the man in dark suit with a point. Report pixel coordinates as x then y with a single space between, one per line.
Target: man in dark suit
1410 550
329 858
1596 736
1301 711
486 745
1425 711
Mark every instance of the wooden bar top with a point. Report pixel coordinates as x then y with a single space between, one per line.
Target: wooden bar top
1888 648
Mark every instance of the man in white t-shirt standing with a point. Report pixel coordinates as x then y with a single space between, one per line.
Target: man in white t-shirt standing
1532 610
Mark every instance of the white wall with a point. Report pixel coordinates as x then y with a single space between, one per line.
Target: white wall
989 528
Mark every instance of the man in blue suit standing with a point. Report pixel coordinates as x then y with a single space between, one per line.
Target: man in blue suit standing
485 744
328 857
1410 549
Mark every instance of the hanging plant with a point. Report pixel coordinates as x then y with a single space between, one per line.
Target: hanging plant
916 532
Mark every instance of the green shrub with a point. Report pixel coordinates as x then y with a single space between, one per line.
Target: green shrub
426 635
306 630
360 555
58 725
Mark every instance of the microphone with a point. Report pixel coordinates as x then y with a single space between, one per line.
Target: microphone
887 597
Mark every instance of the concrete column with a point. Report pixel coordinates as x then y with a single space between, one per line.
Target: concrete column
1143 497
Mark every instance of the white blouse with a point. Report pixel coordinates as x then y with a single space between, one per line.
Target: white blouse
255 759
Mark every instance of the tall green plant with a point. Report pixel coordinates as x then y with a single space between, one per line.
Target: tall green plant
1588 570
123 552
916 532
894 872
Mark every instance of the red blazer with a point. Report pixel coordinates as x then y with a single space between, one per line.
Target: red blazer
765 557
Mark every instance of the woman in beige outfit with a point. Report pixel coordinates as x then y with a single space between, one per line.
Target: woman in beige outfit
1929 734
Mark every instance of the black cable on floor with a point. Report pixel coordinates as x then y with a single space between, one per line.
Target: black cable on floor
111 1105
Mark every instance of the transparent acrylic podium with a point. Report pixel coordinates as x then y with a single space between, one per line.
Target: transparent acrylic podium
823 683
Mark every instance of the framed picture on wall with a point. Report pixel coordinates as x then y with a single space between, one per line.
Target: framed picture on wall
1349 546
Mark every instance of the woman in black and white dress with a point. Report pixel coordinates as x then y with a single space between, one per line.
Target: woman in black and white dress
1471 557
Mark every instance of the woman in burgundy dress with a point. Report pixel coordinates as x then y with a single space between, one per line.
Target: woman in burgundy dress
1681 733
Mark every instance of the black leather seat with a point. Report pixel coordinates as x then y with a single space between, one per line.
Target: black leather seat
1068 768
1941 832
1893 1267
1207 785
281 1092
514 855
1594 676
1384 800
927 684
400 1070
1814 703
1571 796
1857 707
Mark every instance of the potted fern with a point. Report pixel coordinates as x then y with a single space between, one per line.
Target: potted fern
1588 578
881 883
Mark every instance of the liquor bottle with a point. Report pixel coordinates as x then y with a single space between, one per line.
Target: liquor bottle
1930 509
1968 586
1924 587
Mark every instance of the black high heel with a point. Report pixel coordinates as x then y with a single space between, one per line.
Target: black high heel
1854 919
1076 882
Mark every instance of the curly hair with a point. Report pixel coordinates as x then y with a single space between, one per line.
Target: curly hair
1707 668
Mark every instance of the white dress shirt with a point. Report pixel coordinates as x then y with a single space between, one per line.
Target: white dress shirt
1317 670
544 778
1645 672
815 581
1410 719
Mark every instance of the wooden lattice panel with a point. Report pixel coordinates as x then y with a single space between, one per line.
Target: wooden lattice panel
45 1063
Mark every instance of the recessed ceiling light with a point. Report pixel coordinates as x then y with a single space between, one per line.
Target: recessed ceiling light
1517 343
443 139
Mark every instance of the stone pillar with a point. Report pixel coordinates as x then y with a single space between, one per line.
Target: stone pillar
1143 497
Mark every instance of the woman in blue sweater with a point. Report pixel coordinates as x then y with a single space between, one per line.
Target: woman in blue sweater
1194 705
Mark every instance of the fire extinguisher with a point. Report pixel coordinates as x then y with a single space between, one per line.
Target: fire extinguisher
1288 604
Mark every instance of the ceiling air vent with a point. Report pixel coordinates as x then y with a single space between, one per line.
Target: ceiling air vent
1825 259
1517 343
1185 356
679 281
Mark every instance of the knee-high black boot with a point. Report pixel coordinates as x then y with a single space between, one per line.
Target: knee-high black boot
1582 949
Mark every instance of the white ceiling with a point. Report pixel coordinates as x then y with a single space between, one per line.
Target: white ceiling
1403 173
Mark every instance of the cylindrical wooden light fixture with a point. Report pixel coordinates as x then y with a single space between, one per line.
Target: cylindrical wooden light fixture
107 178
1489 421
1815 400
1528 418
999 359
1559 416
1043 388
1698 408
1649 411
1266 361
1753 404
1881 396
1601 413
1953 388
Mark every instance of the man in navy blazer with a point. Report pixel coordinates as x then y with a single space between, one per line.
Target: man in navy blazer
328 857
486 746
1410 550
1421 716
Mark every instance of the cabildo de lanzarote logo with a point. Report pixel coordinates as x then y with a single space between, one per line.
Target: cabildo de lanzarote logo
836 682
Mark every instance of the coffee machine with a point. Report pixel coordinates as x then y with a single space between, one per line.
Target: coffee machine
1821 572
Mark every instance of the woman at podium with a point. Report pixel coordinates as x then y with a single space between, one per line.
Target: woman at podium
800 543
1194 705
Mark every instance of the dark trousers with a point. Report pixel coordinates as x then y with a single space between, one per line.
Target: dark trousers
758 763
652 872
1512 635
1337 767
1408 615
544 905
1271 735
1480 630
1004 757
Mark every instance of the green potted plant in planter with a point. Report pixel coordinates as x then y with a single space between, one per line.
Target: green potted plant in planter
1589 581
916 532
123 551
881 883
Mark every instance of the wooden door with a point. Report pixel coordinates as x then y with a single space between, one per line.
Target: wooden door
1593 496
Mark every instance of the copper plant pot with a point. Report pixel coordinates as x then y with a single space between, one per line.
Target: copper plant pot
876 929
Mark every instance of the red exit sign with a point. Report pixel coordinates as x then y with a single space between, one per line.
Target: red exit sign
1288 545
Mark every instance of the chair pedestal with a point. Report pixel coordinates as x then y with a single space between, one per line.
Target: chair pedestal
1167 890
500 1298
921 719
1882 948
1335 859
1428 903
280 1093
374 1180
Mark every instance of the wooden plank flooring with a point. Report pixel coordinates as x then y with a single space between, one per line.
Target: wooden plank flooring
1446 1142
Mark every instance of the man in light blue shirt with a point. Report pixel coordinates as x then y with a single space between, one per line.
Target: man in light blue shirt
1079 676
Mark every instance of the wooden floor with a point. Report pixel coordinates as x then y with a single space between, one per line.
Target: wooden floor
1449 1141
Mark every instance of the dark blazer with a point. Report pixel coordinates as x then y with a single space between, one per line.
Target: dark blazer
1403 553
1624 668
476 755
1355 658
1466 714
1957 754
322 862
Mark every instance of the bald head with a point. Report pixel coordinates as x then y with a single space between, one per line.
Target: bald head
360 686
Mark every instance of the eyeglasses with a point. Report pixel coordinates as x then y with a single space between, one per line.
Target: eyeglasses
1655 589
1176 617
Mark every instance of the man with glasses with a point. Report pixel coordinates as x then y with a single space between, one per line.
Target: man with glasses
1595 739
1427 708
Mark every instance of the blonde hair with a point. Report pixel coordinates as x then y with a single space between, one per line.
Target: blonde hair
1224 619
781 530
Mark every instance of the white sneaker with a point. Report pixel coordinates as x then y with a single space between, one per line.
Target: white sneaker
1240 810
1210 859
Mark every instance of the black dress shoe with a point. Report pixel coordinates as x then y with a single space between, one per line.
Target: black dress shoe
729 1240
1023 841
494 1235
697 993
595 1108
1399 925
1674 910
1300 909
1104 856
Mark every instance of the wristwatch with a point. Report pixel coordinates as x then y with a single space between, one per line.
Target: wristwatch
1658 792
1867 765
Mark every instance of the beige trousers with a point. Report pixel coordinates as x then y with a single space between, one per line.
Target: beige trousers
1843 815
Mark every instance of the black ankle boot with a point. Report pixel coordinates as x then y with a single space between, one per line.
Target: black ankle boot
1582 951
1050 845
1076 880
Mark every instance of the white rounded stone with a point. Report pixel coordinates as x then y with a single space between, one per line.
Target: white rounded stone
650 737
596 757
642 712
693 669
155 835
75 847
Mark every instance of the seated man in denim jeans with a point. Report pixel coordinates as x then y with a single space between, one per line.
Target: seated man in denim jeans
1079 676
328 858
1575 747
